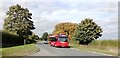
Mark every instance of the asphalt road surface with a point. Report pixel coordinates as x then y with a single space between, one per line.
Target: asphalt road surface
47 50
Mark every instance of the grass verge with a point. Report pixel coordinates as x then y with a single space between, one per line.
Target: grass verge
20 50
101 46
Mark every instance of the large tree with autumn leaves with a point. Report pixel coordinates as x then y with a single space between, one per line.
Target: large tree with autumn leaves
65 27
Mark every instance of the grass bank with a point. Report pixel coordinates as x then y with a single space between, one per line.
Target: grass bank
100 46
20 50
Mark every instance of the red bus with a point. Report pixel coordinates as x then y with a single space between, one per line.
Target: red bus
53 39
59 40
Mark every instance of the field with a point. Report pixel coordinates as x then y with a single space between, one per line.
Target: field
101 46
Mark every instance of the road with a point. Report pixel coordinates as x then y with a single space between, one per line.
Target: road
47 50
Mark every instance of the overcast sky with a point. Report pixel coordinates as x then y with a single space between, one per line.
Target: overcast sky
48 13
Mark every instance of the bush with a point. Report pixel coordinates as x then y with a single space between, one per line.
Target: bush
10 39
35 37
29 41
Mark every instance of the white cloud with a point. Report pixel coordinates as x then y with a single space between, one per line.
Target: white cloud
44 25
62 12
109 7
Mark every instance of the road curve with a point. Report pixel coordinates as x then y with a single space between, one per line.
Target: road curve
47 50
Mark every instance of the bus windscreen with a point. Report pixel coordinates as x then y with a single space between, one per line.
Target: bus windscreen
63 39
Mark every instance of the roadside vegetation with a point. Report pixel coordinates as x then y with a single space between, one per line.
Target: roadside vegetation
109 47
10 39
13 45
17 35
65 27
20 50
84 32
44 36
18 21
84 37
17 27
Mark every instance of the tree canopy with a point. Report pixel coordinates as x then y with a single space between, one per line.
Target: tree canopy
87 31
45 36
18 21
65 27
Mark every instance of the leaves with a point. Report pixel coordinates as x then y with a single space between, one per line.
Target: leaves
18 21
66 27
45 36
87 31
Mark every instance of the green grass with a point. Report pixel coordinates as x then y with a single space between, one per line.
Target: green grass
111 43
20 50
100 46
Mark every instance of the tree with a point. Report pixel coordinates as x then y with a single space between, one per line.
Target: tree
35 37
66 27
87 31
45 36
18 21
